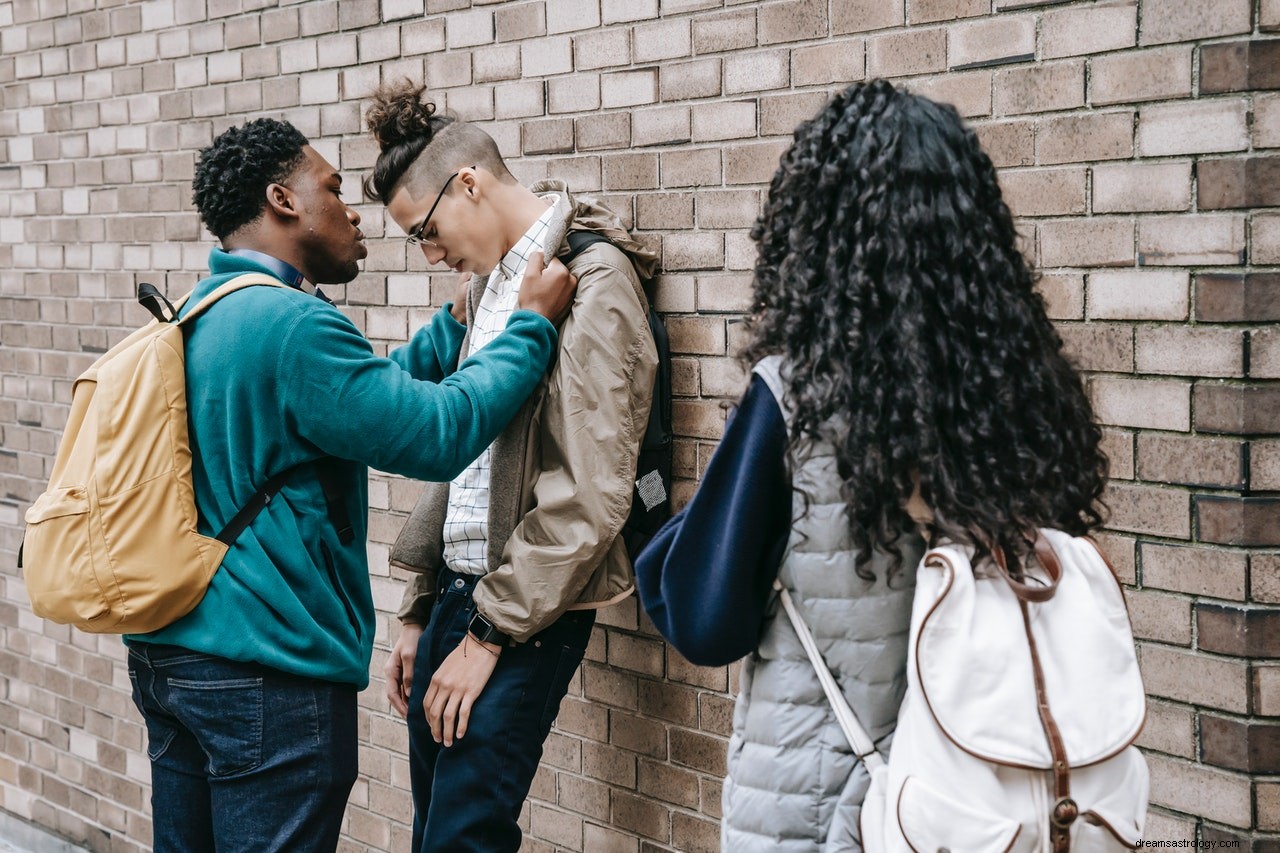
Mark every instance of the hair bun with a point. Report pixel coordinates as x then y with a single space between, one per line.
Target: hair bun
399 114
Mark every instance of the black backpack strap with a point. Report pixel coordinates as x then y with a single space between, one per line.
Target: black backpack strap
651 501
579 240
328 476
154 301
326 471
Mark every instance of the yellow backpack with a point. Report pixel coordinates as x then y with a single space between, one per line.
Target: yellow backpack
112 545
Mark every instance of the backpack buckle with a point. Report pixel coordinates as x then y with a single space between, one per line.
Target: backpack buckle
1064 813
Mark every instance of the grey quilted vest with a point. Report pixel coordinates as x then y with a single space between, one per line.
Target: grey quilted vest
794 784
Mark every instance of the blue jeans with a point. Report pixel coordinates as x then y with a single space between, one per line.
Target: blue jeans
467 797
243 757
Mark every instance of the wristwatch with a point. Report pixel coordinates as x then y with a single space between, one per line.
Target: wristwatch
484 631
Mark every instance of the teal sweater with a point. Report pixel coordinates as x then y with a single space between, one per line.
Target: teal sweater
277 377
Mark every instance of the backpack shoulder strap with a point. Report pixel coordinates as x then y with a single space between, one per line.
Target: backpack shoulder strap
326 473
240 282
580 240
863 747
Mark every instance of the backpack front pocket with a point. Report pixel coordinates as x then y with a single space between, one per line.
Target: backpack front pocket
58 561
933 821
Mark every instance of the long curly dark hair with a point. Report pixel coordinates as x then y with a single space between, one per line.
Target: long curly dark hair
233 173
890 281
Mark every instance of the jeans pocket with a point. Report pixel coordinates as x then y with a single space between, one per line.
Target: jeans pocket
566 665
160 732
225 716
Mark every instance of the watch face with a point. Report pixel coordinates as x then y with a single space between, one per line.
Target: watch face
484 631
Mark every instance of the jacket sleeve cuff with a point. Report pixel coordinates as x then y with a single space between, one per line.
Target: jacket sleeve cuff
419 596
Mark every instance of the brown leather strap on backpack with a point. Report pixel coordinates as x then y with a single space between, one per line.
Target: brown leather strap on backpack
1034 593
1065 810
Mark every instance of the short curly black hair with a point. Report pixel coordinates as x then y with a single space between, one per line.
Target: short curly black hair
233 173
890 280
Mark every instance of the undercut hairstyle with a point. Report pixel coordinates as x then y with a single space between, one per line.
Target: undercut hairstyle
232 175
404 125
890 280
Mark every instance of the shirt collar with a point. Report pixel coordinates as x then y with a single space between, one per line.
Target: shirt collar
282 270
514 261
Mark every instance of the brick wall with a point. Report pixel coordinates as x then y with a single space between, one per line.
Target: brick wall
1135 144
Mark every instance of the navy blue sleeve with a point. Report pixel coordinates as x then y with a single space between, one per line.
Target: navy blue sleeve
706 577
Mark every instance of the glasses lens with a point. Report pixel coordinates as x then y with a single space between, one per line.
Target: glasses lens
416 237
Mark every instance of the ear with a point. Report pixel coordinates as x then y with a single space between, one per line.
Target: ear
281 201
470 180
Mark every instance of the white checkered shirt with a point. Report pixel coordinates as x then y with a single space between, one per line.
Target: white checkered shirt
466 522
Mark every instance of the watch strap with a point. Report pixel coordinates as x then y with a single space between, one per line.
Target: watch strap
485 631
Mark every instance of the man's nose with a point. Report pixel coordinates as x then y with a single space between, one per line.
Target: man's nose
433 252
353 215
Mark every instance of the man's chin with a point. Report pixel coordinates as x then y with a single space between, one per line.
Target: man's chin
341 276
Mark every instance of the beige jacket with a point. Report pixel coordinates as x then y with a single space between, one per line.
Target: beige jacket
562 473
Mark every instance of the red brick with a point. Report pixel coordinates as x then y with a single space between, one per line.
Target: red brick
733 30
1040 88
607 48
696 835
834 62
1191 461
1184 786
1224 297
1144 403
1117 444
1149 510
1092 29
661 40
1191 351
1238 520
1099 346
1180 241
1265 233
1194 678
1264 578
685 80
930 11
1063 295
1169 729
1237 408
991 41
1264 354
667 125
1160 616
1143 75
1193 128
668 784
857 16
1008 143
643 816
1219 573
969 92
1138 295
1240 66
1266 121
1173 20
911 52
793 20
1092 242
1142 187
1044 192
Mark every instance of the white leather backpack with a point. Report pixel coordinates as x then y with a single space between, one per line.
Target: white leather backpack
1023 701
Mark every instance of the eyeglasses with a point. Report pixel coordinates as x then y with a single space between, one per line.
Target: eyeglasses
416 237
